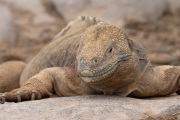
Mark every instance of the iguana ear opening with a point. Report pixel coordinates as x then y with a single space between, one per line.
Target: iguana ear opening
131 44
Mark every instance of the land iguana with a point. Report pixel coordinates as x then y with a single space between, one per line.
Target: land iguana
89 57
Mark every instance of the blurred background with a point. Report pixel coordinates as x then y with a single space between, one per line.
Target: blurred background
27 25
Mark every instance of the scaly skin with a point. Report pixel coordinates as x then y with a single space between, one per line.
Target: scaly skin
10 75
91 57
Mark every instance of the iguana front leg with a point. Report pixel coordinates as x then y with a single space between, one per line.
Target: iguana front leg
59 81
169 80
160 81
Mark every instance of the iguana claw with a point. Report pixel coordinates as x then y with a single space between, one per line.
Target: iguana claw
3 100
19 95
19 98
35 95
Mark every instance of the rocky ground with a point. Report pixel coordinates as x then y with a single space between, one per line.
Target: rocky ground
27 25
94 108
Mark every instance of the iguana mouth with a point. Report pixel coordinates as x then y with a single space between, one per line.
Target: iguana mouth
100 74
95 76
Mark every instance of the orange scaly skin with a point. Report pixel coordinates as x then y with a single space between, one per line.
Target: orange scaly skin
91 57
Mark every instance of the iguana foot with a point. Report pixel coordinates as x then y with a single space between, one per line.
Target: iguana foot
77 25
20 94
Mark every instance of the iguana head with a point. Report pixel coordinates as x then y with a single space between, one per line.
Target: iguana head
105 49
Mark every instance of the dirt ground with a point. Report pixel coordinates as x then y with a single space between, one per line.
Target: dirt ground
160 38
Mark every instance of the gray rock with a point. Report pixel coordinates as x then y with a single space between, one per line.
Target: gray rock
7 29
93 108
116 12
174 5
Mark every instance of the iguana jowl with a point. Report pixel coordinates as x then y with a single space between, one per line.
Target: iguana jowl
91 57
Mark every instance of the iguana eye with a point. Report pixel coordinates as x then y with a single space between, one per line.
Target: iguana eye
110 49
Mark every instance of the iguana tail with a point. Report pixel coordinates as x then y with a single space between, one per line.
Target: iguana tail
10 73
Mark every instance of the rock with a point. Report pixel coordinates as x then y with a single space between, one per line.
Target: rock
35 7
116 12
162 58
93 108
7 29
174 5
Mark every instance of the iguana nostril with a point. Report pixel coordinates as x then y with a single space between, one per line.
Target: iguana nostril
95 60
82 60
86 73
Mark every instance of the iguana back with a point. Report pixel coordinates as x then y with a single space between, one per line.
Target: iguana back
61 51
